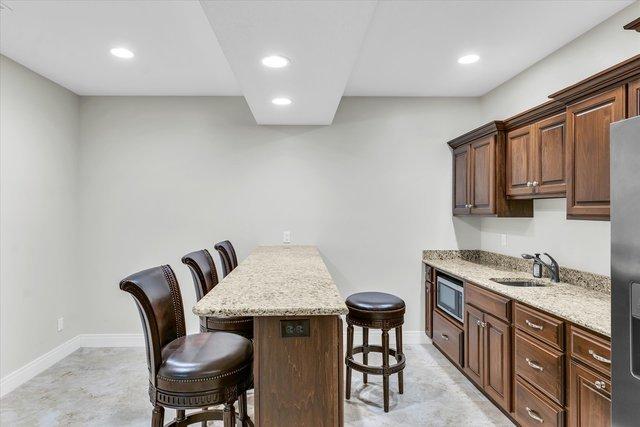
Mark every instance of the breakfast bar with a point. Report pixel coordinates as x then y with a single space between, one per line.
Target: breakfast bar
298 354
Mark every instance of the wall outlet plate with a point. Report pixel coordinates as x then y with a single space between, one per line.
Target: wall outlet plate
503 239
60 324
286 237
295 328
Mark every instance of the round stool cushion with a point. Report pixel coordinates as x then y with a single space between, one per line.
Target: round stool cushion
375 301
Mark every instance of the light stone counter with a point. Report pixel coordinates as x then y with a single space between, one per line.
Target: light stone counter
578 304
275 281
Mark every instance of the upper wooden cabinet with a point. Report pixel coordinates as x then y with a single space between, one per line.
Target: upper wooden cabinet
535 165
587 165
557 149
478 181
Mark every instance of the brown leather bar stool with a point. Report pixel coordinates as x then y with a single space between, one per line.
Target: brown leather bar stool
205 278
188 371
375 310
227 256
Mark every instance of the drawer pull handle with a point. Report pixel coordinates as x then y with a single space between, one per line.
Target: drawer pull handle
533 414
444 337
599 358
534 365
533 325
600 385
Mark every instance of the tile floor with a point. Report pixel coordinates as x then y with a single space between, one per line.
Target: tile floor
108 387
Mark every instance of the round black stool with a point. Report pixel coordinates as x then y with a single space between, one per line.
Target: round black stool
375 310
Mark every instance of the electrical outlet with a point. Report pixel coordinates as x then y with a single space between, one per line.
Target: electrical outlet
60 324
286 237
503 239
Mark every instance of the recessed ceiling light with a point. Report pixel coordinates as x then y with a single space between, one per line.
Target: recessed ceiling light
281 101
275 61
122 52
468 59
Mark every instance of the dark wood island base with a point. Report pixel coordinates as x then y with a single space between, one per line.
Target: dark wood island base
298 379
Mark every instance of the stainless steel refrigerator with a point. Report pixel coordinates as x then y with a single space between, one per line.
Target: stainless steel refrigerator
625 272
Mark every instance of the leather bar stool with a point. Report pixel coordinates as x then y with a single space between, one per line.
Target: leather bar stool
227 256
375 310
188 371
205 278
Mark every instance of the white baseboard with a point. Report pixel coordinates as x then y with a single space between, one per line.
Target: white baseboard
21 375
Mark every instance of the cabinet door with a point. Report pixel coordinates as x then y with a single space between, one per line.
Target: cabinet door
549 158
473 344
461 180
588 187
633 98
589 398
520 155
482 158
497 360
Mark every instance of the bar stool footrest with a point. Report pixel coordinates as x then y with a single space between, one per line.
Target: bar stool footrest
375 370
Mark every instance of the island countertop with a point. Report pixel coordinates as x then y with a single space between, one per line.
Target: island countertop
275 281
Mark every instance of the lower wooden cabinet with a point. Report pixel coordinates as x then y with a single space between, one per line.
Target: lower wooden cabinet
540 369
589 397
488 354
534 409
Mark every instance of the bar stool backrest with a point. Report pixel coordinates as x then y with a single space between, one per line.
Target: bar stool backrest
203 271
227 256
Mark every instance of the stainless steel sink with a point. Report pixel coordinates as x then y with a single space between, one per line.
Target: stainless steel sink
520 282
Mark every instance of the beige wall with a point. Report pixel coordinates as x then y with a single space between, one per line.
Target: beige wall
164 176
39 269
580 244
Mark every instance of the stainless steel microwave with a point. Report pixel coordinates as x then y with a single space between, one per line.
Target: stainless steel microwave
450 297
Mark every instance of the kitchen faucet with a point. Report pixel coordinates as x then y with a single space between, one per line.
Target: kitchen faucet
553 268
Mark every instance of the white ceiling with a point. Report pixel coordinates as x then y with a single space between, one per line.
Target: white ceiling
412 47
69 42
363 48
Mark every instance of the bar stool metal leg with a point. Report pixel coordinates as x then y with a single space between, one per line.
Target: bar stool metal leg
349 356
365 351
385 367
399 351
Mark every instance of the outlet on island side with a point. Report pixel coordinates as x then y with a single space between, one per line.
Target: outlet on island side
286 237
503 240
60 324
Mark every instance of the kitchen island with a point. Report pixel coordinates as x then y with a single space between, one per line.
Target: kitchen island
298 355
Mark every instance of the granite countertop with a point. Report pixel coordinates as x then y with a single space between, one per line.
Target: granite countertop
583 306
275 281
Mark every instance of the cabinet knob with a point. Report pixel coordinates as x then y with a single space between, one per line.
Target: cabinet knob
529 184
535 183
600 385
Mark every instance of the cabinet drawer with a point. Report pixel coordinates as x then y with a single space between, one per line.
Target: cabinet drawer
540 365
448 337
534 409
487 301
590 349
542 326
